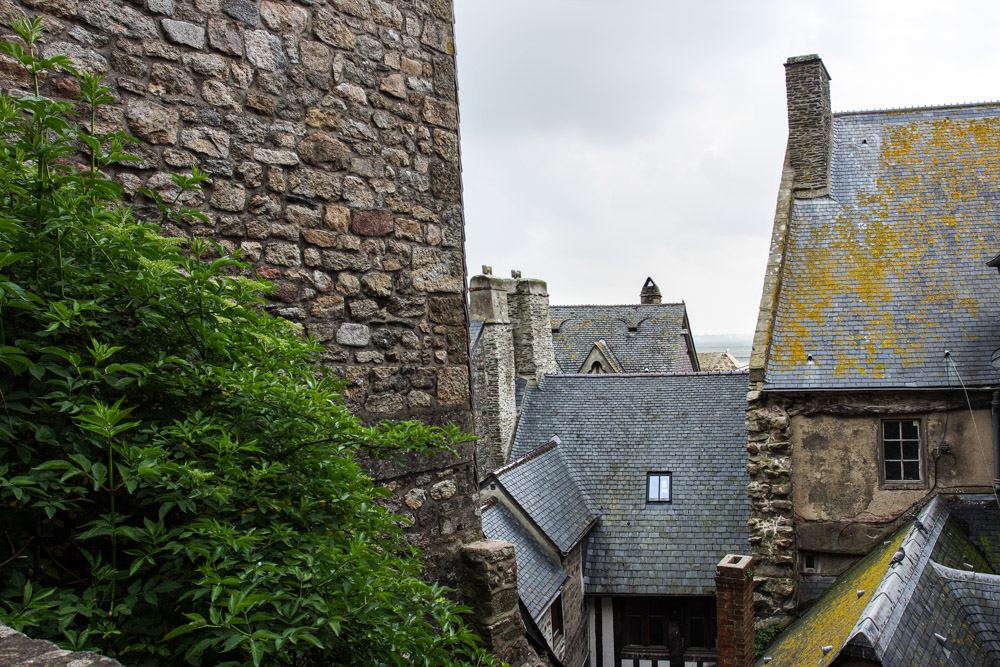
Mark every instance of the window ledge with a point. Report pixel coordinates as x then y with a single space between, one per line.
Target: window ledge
904 486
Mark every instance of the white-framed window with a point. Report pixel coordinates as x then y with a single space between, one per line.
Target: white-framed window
901 451
658 487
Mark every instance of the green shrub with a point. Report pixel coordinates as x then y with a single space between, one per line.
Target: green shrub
177 480
763 637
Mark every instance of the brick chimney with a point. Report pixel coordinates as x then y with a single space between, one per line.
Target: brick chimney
650 292
529 316
494 407
810 124
734 610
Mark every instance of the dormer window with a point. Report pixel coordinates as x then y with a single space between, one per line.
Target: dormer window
658 487
596 367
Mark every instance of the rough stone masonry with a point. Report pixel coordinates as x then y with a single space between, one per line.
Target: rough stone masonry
329 129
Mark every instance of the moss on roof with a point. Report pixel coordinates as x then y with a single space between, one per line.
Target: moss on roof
829 622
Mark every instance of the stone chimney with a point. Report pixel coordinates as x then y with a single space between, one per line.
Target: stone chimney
810 124
529 316
650 292
492 360
734 610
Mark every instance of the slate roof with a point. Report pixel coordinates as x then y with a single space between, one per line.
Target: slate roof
613 430
889 271
542 485
538 577
658 344
890 614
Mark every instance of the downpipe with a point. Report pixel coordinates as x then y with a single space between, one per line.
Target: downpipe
995 413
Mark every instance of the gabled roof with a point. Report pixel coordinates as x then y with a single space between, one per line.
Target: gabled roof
890 612
889 271
613 430
644 338
601 353
718 361
540 482
538 576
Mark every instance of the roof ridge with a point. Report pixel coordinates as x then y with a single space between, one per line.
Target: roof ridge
533 454
881 616
617 305
650 374
929 107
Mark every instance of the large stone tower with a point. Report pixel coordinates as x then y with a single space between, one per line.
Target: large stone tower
329 129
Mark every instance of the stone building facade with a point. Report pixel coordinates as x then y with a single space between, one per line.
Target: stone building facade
871 373
329 131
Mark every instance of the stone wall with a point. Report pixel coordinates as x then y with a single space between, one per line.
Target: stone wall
772 519
575 618
17 649
329 129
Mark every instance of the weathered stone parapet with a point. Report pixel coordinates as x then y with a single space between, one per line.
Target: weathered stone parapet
489 587
18 649
772 518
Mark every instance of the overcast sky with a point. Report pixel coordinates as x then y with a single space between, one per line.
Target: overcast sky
607 140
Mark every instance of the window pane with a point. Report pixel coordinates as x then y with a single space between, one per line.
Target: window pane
664 487
911 470
910 430
911 451
656 630
893 471
635 630
696 632
892 451
654 485
891 429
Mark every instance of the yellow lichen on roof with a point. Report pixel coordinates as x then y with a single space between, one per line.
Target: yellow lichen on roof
883 260
830 621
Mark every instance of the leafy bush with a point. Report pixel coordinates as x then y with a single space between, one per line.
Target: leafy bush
177 479
763 637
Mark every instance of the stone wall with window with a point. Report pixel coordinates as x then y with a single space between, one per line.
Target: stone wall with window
329 131
831 473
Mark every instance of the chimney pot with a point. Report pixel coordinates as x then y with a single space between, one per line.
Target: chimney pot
810 124
488 299
650 293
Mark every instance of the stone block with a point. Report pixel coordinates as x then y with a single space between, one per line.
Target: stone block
353 334
152 122
371 222
182 32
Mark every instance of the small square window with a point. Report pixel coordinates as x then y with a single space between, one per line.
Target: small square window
658 487
901 451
